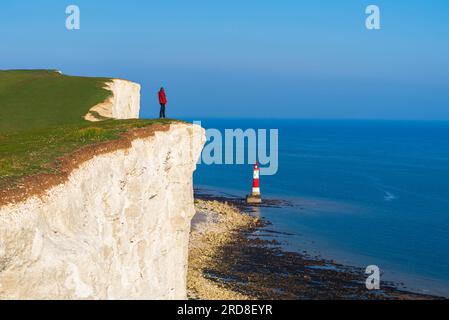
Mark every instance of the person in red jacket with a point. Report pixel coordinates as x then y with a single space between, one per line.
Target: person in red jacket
163 102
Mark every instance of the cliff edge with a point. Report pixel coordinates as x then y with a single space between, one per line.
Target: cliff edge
124 103
115 226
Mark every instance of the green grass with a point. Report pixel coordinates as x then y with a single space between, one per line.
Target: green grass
41 119
42 98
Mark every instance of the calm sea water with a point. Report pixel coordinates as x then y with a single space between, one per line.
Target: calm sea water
364 192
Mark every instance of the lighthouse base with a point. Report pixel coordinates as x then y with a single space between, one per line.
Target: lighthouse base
253 199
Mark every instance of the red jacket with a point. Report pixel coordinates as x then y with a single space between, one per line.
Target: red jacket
162 97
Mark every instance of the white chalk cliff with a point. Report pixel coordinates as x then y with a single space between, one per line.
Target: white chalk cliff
124 102
118 228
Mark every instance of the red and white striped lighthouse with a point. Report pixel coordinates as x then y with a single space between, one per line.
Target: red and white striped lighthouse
255 197
256 180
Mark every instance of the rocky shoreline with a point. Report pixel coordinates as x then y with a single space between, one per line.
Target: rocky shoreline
228 260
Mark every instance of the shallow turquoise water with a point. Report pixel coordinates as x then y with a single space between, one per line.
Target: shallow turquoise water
364 192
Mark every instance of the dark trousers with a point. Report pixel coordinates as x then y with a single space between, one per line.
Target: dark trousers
162 112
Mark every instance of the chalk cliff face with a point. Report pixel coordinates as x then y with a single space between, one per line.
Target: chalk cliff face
118 228
124 102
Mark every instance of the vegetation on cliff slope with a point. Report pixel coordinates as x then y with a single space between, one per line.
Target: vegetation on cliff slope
42 118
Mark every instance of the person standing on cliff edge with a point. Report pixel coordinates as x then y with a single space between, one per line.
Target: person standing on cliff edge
163 102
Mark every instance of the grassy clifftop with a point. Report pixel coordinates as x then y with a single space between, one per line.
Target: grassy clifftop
43 98
41 119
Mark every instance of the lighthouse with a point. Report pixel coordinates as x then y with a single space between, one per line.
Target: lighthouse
254 197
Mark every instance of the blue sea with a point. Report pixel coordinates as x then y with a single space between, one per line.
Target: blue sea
362 193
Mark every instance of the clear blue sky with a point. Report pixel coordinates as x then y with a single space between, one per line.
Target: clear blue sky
253 58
